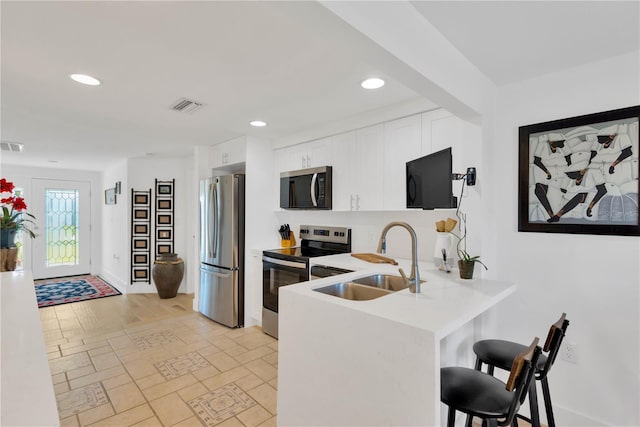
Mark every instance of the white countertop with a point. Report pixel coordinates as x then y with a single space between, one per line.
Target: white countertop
27 397
444 304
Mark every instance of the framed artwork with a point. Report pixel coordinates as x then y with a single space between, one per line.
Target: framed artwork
140 213
141 199
141 258
140 229
118 187
165 219
164 204
165 189
140 243
163 249
164 234
140 274
110 196
580 175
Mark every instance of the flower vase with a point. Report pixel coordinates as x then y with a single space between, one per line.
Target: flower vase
7 237
167 273
443 250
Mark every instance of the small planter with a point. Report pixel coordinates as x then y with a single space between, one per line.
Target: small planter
466 269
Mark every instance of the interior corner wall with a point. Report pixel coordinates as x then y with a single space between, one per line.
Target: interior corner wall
594 279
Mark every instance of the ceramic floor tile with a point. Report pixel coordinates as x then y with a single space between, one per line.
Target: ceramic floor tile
271 359
154 339
192 422
254 416
69 363
231 422
116 381
149 422
271 422
181 365
96 377
127 418
249 382
266 396
95 414
204 373
250 355
254 340
58 378
221 404
80 372
125 397
262 369
157 391
61 388
222 361
71 421
82 399
105 361
226 377
170 409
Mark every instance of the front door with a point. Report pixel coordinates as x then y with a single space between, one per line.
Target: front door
63 243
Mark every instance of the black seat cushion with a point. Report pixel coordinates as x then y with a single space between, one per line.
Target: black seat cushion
500 353
474 392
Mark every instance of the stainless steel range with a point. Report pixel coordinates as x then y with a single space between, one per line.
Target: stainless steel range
286 266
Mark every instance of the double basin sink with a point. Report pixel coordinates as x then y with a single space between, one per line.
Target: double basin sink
366 288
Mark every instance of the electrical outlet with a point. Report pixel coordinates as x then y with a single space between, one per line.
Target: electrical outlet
569 352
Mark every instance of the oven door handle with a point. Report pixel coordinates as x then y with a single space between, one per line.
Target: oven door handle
293 264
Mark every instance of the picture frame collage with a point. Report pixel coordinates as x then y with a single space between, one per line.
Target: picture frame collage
164 210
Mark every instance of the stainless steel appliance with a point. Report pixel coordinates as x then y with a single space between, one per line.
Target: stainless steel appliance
286 266
222 249
306 188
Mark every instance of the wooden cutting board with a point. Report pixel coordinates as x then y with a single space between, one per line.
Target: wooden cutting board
375 258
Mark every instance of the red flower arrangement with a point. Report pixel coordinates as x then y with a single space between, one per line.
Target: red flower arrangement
14 210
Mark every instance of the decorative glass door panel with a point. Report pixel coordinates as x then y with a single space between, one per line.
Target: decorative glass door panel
63 243
61 230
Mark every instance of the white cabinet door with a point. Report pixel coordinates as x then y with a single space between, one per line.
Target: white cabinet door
228 153
401 144
345 166
320 152
368 168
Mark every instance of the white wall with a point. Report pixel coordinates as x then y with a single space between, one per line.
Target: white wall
22 176
594 279
115 229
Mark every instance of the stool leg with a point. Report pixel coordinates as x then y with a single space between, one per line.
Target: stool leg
478 364
490 370
451 419
547 403
533 405
469 421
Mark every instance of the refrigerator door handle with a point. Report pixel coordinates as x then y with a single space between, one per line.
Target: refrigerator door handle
313 189
214 219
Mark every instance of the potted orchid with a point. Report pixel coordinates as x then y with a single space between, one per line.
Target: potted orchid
14 216
466 262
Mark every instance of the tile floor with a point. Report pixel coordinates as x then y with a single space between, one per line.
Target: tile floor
137 360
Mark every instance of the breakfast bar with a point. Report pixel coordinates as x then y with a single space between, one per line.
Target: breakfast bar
374 362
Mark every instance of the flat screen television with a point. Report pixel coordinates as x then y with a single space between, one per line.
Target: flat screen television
429 183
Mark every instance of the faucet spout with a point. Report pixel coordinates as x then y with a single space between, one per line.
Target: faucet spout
414 277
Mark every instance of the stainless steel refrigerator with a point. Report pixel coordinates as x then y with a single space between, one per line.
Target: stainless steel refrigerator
222 249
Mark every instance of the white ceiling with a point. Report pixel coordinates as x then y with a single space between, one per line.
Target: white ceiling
276 61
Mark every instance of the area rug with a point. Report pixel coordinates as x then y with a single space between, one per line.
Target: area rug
64 290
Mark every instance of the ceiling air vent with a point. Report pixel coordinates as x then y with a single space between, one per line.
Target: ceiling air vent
185 105
11 146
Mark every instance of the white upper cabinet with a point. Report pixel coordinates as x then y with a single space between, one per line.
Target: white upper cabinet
344 165
369 169
402 142
228 153
311 154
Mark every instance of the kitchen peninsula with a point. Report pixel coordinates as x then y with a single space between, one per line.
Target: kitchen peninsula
375 362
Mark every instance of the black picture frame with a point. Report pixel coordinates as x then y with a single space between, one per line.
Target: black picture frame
118 187
165 189
579 175
164 234
140 199
164 204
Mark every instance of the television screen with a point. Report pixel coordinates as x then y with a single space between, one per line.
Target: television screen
429 184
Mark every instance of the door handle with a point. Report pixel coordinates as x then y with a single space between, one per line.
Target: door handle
313 190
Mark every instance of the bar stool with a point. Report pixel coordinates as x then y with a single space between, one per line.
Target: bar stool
501 353
482 395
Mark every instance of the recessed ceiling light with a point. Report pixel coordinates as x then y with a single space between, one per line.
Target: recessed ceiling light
373 83
258 123
84 79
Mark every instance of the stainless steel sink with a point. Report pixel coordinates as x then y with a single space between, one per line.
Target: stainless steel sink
383 281
354 291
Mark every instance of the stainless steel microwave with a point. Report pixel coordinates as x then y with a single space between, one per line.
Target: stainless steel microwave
306 188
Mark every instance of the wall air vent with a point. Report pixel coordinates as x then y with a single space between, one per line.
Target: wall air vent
185 105
11 146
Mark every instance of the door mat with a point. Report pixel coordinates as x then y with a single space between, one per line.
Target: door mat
64 290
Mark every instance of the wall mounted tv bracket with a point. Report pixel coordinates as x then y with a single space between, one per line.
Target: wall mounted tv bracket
470 176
